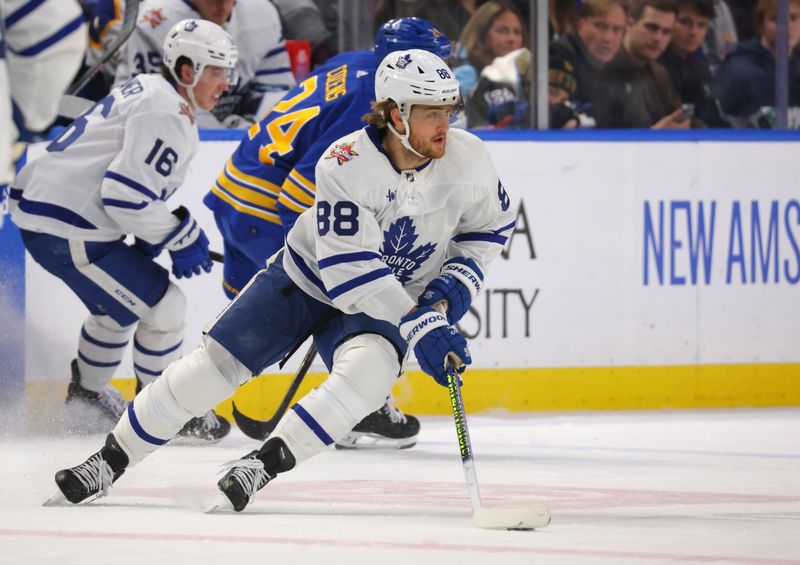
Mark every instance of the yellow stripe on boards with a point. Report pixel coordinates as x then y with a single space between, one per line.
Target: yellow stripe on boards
520 390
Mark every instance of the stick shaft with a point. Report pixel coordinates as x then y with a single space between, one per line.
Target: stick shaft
464 443
128 25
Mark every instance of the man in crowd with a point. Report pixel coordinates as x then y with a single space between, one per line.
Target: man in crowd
641 94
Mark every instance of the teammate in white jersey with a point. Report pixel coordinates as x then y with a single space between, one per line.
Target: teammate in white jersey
41 48
108 175
408 214
264 70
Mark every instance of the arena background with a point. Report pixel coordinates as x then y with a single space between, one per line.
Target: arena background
646 271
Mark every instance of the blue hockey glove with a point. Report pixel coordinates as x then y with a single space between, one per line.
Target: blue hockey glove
457 285
188 247
433 340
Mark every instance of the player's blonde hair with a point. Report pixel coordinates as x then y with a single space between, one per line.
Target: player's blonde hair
381 114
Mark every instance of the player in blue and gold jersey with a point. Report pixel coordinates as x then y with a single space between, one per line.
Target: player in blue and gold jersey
269 180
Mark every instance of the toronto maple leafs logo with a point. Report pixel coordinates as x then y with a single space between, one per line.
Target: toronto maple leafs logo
403 62
342 152
190 26
398 249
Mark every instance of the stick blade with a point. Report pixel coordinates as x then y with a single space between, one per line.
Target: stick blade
252 428
511 518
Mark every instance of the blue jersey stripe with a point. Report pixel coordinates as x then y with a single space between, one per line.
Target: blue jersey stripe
97 363
56 212
114 203
506 227
139 347
298 261
347 258
478 236
37 48
279 70
99 343
309 421
291 198
129 182
276 51
137 427
23 11
359 281
141 369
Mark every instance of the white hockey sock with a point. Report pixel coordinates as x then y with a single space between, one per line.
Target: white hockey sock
189 387
100 350
364 370
158 337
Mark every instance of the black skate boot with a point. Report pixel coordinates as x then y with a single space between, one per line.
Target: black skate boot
204 429
93 477
387 427
104 407
249 474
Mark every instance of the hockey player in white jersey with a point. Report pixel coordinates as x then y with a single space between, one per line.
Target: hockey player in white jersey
41 48
108 175
264 69
408 214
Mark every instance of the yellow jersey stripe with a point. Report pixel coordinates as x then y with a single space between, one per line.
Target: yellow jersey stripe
98 44
303 181
291 204
244 209
244 178
247 195
297 193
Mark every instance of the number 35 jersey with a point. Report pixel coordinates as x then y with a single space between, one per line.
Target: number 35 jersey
376 236
109 173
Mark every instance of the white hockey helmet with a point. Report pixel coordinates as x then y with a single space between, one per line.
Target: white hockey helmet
203 43
414 77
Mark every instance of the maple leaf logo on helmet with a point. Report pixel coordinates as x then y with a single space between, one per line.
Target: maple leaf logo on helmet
404 61
342 152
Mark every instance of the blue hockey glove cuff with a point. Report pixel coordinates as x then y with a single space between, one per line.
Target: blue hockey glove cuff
459 282
433 340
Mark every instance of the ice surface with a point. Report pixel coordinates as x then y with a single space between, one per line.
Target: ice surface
635 487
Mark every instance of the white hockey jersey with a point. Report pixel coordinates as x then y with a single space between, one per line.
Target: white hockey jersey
109 173
376 236
255 27
45 42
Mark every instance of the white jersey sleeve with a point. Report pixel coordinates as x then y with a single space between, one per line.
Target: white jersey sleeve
45 44
348 238
151 165
485 226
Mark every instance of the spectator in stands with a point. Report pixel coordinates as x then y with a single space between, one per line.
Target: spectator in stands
310 20
585 51
449 16
264 70
746 81
562 16
721 37
496 29
641 94
686 63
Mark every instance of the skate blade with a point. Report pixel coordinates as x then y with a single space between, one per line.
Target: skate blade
220 505
364 440
511 518
58 499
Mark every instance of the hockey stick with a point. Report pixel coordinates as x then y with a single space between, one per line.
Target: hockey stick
72 106
260 429
125 31
216 256
488 518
